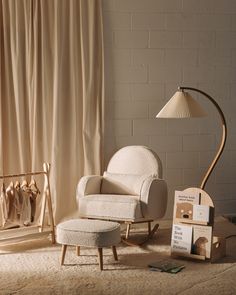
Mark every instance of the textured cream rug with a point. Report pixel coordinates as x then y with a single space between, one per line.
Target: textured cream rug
33 268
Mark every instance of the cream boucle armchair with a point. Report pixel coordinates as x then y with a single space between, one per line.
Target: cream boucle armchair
131 190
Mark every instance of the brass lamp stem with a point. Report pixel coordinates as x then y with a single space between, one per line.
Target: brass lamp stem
224 134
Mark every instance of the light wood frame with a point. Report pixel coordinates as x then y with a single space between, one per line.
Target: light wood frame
126 240
217 243
99 251
151 232
224 133
34 231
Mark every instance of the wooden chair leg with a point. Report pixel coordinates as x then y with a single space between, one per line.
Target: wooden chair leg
100 258
63 253
114 253
127 231
149 227
149 236
78 250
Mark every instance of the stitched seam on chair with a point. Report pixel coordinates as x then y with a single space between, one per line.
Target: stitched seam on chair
119 202
141 195
90 232
111 218
114 202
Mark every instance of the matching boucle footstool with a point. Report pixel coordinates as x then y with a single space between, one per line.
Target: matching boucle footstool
88 233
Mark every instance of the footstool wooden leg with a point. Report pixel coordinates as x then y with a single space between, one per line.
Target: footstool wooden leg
100 258
63 253
78 250
127 231
114 252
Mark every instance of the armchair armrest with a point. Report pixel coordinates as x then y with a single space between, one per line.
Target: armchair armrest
153 198
88 185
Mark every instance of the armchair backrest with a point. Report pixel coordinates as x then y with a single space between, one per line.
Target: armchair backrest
135 160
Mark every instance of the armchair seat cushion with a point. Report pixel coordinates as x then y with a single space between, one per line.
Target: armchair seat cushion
109 206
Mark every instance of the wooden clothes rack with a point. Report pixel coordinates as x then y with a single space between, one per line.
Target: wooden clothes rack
33 231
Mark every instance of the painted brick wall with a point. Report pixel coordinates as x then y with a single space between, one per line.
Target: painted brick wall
153 46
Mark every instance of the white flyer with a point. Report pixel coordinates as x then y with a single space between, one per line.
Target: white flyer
201 213
181 239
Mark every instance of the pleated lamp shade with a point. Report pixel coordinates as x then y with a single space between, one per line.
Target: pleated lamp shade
181 105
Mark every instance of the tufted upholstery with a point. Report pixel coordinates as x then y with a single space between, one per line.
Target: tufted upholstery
84 232
135 160
110 206
131 189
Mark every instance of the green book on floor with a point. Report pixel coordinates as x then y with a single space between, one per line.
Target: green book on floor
166 266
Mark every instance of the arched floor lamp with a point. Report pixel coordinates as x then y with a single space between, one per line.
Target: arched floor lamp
183 105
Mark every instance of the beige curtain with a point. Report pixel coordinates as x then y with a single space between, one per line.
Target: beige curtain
52 92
